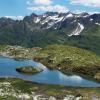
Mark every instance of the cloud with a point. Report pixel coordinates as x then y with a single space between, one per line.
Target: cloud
91 3
55 8
39 2
43 2
15 17
45 5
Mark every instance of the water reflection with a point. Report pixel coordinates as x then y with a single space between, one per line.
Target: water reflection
8 66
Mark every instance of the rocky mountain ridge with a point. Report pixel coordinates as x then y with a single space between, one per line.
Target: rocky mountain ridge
81 30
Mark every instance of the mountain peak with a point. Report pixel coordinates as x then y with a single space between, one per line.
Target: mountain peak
51 13
33 15
84 14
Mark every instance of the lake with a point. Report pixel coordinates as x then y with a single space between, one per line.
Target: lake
8 69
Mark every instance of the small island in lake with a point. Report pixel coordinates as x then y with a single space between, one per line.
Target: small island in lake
28 70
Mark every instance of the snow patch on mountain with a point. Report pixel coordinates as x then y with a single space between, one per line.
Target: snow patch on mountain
56 20
91 19
53 19
37 19
69 15
78 30
74 21
50 25
44 15
97 23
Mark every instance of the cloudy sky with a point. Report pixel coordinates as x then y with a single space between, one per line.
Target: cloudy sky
21 8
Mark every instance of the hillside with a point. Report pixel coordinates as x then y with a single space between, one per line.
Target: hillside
80 30
70 59
67 59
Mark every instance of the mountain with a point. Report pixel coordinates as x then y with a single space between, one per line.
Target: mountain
81 30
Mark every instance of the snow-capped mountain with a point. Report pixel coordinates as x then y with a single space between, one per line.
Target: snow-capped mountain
78 30
81 30
54 20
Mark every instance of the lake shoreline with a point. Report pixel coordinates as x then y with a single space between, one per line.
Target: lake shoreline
13 52
58 91
88 78
69 59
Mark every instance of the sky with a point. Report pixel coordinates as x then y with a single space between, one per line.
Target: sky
21 8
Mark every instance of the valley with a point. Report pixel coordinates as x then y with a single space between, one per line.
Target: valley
67 57
54 55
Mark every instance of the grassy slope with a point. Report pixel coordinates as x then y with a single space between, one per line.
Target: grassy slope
76 56
68 58
89 39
